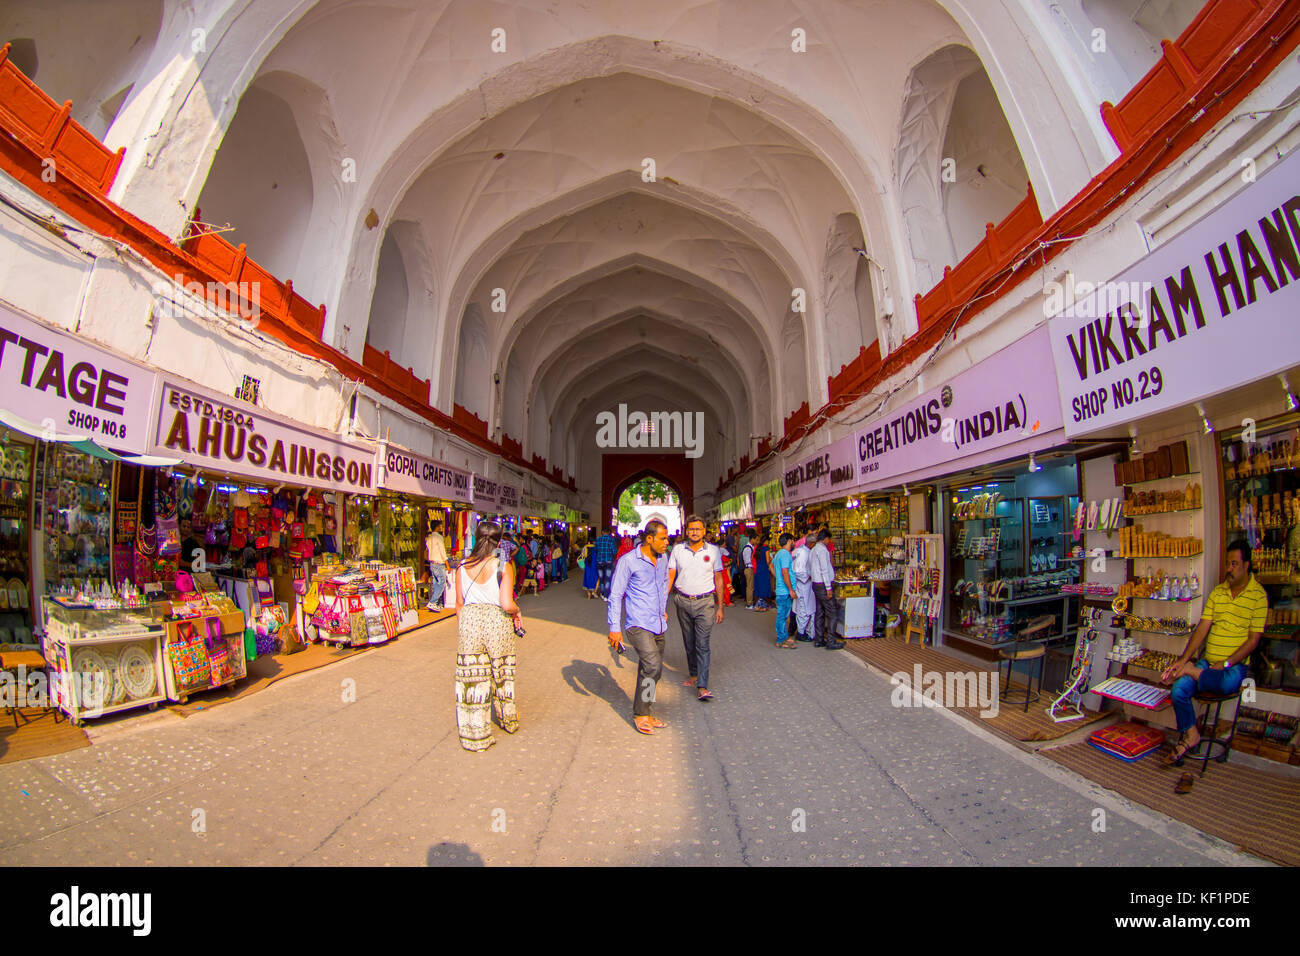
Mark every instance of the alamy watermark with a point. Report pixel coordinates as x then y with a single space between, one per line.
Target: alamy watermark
954 690
241 301
624 429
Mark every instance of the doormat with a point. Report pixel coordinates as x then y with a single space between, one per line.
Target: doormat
38 735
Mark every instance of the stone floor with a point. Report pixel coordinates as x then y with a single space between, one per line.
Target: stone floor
800 759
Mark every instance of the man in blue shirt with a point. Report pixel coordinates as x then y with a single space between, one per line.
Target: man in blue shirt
641 585
605 551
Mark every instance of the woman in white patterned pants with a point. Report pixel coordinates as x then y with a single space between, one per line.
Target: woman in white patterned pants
485 646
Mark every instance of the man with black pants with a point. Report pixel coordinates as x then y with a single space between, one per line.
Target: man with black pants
823 580
696 575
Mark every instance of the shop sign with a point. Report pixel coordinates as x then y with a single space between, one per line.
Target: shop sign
1210 310
226 435
57 381
404 471
768 498
1008 397
834 468
486 494
508 497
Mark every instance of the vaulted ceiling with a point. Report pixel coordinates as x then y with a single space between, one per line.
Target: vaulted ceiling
551 207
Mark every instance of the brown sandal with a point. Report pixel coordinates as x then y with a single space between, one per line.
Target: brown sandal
1185 783
1181 750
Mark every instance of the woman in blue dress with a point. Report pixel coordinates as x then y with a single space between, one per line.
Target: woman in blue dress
589 574
764 596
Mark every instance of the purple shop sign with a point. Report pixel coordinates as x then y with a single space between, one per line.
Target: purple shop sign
405 471
832 470
62 386
1007 398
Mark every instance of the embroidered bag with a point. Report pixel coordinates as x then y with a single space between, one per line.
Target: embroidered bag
241 519
189 658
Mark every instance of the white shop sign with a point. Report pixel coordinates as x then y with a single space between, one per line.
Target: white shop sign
508 498
66 386
486 494
231 436
1214 308
409 473
1008 397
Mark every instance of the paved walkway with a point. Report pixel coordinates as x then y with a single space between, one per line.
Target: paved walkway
801 759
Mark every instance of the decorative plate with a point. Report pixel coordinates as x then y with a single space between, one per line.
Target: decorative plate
1092 515
136 671
95 675
1051 561
1103 520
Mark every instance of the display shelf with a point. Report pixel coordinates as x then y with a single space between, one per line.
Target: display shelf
1151 481
1157 514
1144 630
1263 474
1156 557
1138 597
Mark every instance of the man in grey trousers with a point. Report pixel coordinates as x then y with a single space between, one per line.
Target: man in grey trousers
697 581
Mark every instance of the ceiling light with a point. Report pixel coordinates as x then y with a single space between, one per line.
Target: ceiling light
1033 465
1205 421
1133 436
1291 402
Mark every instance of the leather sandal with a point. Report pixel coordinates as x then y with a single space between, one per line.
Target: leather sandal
656 722
1185 783
1181 749
689 682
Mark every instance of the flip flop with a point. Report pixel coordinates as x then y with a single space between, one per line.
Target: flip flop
689 682
705 695
1185 783
656 722
644 726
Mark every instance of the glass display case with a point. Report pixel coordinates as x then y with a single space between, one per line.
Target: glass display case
15 538
78 516
1009 554
400 538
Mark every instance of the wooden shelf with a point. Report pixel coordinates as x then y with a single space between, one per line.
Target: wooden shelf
1149 481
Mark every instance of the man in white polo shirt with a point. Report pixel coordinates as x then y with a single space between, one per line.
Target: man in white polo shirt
697 581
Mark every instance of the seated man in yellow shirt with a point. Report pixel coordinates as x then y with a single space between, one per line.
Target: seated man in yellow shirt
1232 624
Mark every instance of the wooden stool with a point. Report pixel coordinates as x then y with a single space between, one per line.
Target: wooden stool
1035 630
1210 744
913 627
28 660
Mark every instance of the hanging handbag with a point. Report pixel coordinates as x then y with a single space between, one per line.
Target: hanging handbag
189 658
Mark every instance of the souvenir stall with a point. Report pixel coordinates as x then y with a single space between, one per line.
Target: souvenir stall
271 493
69 413
1208 426
356 604
418 491
923 585
118 651
868 558
1011 554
